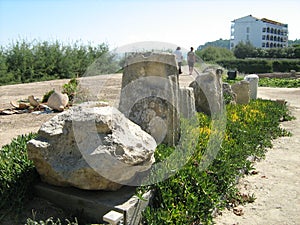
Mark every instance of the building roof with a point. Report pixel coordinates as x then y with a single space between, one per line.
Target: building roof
264 20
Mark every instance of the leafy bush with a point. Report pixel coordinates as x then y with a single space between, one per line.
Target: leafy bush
71 88
211 54
17 173
260 65
192 194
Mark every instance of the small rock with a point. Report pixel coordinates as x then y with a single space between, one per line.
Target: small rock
239 210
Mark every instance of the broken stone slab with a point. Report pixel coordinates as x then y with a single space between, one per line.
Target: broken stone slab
91 206
94 148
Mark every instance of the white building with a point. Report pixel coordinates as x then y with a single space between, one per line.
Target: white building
261 33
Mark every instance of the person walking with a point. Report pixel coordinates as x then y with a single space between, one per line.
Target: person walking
191 60
179 58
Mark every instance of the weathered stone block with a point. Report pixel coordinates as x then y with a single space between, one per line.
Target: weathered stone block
91 148
242 92
208 93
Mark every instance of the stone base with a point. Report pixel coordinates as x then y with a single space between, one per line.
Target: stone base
93 205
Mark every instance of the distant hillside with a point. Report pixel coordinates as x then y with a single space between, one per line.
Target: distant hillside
219 43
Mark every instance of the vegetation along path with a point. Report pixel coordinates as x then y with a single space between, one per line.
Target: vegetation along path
276 181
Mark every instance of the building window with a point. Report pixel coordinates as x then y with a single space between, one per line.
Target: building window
264 29
247 37
263 44
248 30
264 37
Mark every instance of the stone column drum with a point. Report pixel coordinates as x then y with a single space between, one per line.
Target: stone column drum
149 95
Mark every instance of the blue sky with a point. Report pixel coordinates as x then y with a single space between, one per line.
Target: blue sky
120 22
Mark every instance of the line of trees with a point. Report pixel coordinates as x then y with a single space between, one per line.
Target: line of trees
23 62
246 50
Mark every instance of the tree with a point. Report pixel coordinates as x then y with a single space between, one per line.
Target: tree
244 50
211 54
218 43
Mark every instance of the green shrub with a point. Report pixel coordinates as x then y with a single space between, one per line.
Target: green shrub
17 173
249 66
71 89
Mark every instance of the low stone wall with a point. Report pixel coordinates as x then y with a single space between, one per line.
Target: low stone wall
279 75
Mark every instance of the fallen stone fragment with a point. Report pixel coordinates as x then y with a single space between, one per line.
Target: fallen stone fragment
58 101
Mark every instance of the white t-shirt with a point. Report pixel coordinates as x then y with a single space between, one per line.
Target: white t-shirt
178 55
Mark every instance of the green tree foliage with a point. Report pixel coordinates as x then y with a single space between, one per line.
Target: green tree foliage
211 54
246 50
22 61
218 43
294 42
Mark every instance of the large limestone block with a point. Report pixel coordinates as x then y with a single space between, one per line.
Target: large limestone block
95 148
208 93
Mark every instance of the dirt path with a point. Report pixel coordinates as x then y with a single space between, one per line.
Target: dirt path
107 88
277 184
